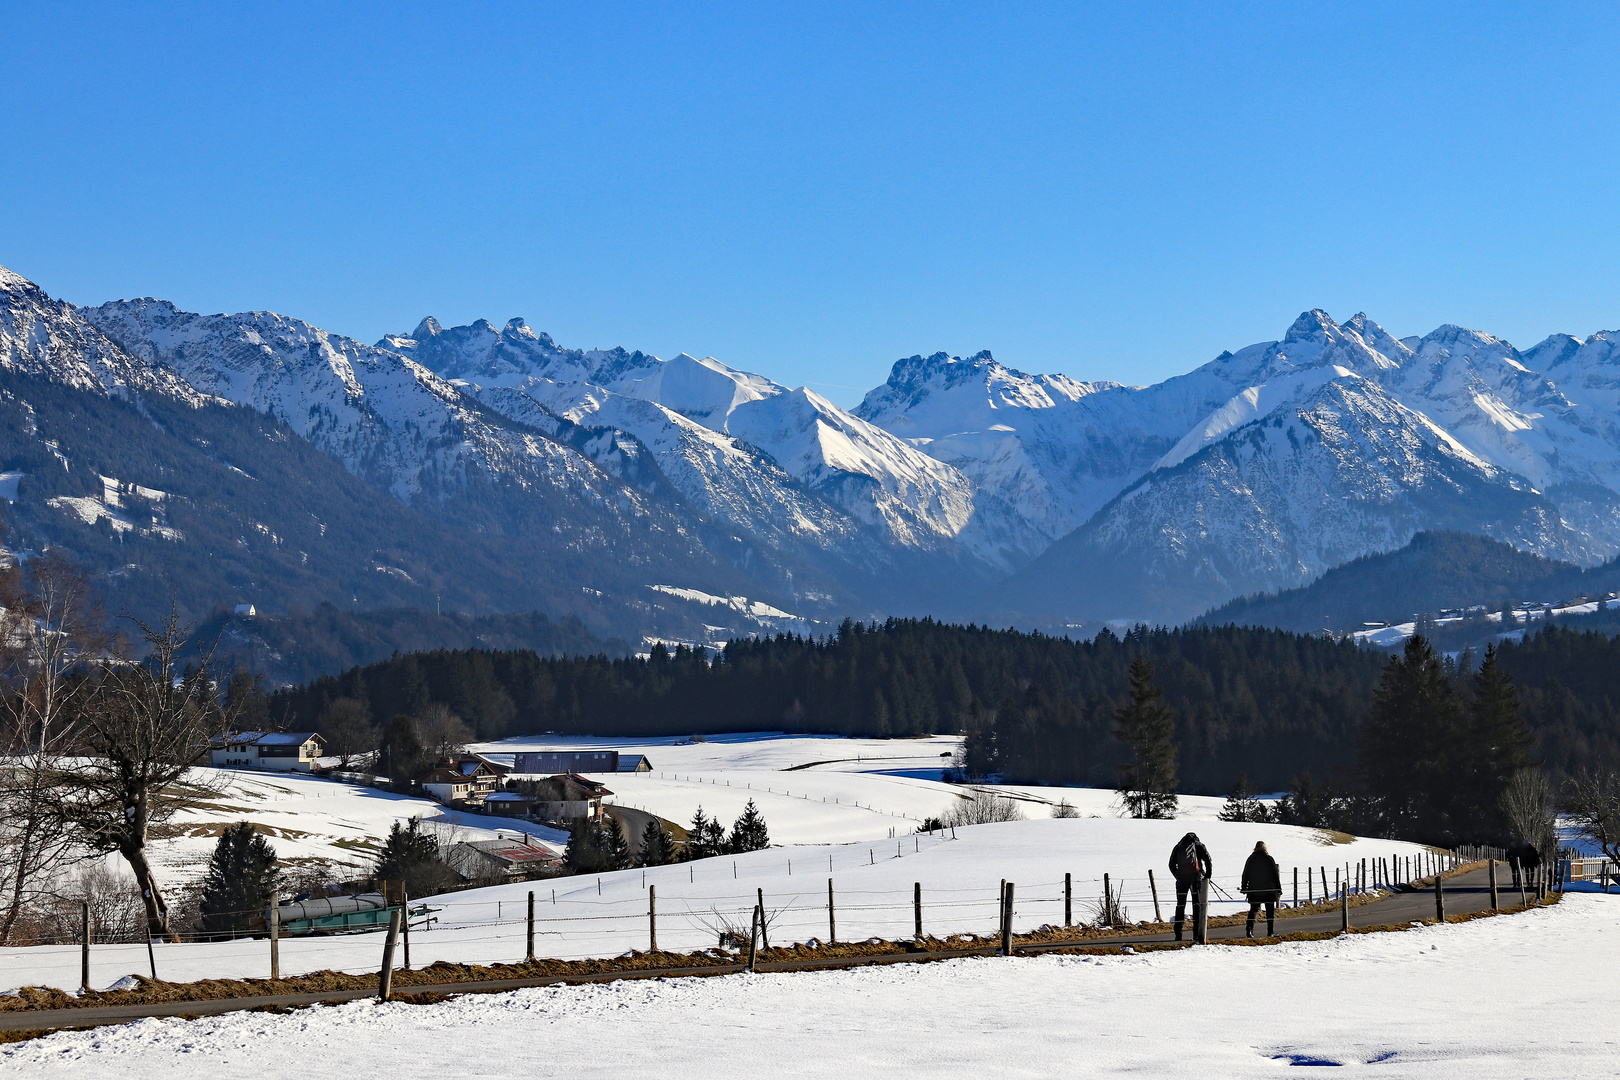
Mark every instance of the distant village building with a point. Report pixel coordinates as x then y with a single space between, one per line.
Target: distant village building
481 860
470 780
555 762
246 609
563 798
281 751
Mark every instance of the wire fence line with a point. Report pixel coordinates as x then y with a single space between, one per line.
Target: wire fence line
571 924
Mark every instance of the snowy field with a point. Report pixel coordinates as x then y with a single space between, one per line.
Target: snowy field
813 789
1509 997
873 883
848 809
307 817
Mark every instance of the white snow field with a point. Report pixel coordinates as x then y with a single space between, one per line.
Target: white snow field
812 789
308 817
873 884
1509 997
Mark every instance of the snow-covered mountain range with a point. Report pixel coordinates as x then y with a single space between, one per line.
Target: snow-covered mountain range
959 487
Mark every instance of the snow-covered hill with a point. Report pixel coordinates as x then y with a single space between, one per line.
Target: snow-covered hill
1256 471
1266 467
744 447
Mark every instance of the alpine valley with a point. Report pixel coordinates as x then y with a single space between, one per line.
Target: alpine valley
210 461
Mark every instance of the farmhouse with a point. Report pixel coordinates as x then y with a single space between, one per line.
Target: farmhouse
481 860
563 798
282 751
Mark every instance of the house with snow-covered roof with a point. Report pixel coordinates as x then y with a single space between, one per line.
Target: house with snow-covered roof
280 751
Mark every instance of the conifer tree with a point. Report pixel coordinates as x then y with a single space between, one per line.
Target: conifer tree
1494 746
1241 804
617 847
697 836
240 883
1410 746
1147 727
748 833
655 845
589 848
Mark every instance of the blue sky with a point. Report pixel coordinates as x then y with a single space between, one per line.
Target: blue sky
812 191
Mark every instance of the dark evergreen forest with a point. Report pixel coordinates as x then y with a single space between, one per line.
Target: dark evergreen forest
1268 703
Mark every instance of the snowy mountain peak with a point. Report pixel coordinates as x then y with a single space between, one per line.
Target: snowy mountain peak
1312 325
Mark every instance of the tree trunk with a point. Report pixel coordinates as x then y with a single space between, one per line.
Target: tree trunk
157 909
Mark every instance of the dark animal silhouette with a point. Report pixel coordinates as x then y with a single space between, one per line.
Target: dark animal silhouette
1523 857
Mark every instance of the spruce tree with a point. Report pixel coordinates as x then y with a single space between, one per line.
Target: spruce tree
1494 746
412 856
748 833
655 845
1147 727
1241 804
240 883
618 848
1412 744
697 836
589 848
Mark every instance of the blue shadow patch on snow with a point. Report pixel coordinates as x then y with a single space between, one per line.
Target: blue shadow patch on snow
1303 1059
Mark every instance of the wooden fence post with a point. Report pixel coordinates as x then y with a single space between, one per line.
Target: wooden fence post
1201 916
1439 899
84 950
1344 912
1310 885
275 939
764 933
1068 899
753 939
652 918
385 978
832 916
528 933
1296 886
405 921
1006 918
916 905
1158 918
1495 905
1108 902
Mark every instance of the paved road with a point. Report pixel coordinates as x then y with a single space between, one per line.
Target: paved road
1465 894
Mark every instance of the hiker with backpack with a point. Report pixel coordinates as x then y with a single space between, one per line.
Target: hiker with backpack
1262 882
1190 864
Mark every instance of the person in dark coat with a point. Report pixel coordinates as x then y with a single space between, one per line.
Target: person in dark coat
1189 864
1262 882
1523 857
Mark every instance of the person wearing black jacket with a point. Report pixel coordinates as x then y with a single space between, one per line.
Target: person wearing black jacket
1189 863
1262 882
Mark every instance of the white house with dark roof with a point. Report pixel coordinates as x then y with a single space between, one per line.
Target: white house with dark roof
279 751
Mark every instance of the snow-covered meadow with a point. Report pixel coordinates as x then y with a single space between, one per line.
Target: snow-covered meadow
845 809
1509 997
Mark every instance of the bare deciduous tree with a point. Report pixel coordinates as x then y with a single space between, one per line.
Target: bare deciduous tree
150 724
981 808
1527 804
443 734
49 629
1593 806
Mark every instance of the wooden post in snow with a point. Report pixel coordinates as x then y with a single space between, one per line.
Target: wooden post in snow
652 918
405 921
275 939
832 916
1068 899
1495 904
1108 902
528 946
916 907
753 939
1439 899
1006 918
1158 918
764 933
84 950
385 978
1201 916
